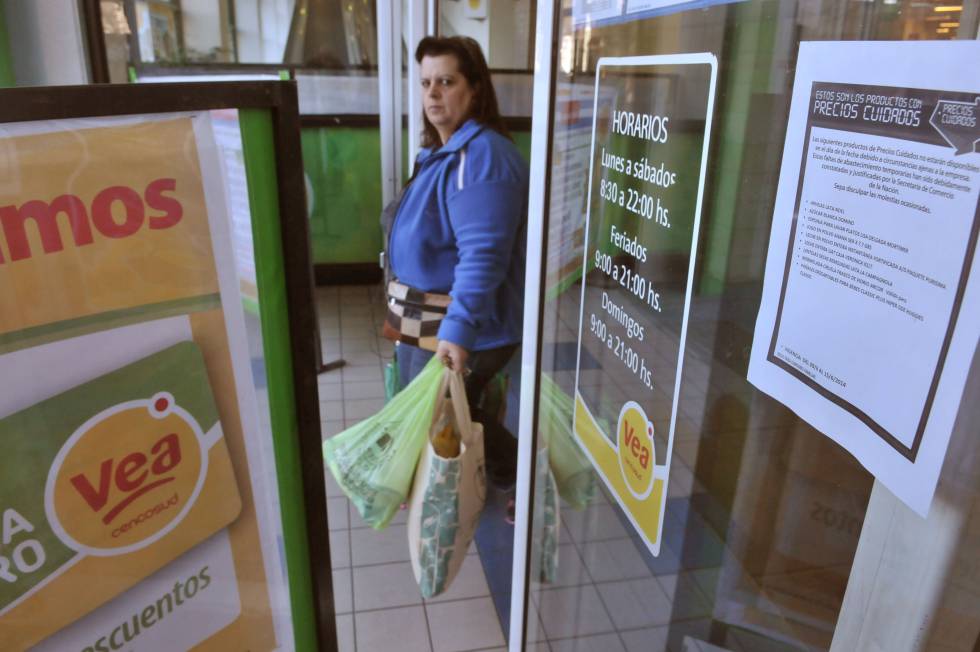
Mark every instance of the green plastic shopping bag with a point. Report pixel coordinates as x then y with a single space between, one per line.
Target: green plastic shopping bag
574 476
374 461
392 378
547 520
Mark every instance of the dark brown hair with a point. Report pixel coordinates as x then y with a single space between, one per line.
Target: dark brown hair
473 66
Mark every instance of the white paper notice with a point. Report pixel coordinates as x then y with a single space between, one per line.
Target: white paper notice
871 308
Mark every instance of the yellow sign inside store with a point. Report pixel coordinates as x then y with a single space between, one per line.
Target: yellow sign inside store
635 448
628 467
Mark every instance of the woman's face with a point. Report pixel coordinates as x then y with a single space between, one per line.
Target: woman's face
447 97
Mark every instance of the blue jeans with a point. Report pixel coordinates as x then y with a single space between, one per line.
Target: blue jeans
500 445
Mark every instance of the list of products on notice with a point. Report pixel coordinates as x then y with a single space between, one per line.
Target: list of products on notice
886 227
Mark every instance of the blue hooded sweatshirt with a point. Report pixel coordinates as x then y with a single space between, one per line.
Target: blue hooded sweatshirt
461 229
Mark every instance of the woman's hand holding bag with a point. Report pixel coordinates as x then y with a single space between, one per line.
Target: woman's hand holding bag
452 355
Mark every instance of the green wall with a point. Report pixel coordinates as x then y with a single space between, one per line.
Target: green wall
343 167
523 141
6 65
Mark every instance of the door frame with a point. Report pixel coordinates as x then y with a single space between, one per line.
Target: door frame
538 221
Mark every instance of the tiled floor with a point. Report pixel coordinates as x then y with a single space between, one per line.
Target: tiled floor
379 608
608 595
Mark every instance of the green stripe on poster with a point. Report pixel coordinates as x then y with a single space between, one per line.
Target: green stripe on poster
62 330
263 196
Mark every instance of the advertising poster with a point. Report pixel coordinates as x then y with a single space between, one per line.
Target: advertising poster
129 479
871 312
651 122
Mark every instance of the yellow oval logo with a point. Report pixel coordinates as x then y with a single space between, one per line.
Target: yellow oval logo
636 453
126 477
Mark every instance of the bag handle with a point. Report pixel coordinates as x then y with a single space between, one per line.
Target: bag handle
452 383
461 407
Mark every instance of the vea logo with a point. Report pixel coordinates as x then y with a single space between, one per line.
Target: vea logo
636 452
126 477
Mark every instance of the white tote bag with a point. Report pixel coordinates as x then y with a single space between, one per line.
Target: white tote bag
448 495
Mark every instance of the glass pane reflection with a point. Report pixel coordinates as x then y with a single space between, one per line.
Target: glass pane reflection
764 514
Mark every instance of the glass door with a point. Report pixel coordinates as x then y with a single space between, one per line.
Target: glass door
672 504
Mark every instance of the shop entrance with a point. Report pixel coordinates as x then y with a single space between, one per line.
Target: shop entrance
696 468
387 610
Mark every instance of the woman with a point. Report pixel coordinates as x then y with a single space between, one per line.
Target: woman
460 229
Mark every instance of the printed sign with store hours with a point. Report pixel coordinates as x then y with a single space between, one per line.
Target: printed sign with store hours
651 121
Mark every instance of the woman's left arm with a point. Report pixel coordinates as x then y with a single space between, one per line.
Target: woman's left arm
486 217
